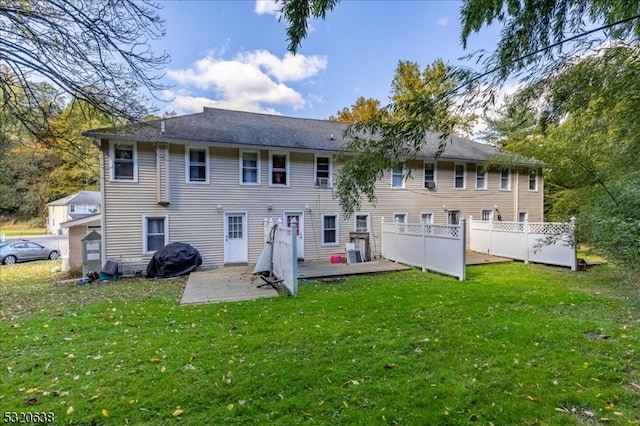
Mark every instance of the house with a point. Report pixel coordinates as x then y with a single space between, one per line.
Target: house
75 206
210 179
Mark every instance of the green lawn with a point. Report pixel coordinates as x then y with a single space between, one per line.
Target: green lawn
16 230
513 344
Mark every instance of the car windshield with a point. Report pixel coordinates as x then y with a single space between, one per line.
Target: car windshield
3 245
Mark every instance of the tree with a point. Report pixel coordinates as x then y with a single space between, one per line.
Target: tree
419 105
361 110
588 135
91 51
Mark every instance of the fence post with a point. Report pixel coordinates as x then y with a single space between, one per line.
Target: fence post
574 243
526 238
294 255
463 240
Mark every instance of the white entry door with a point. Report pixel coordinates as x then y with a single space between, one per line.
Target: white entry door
235 238
299 217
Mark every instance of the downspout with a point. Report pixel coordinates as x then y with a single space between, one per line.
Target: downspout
103 210
516 196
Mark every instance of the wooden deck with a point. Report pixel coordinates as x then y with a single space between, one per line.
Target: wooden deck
308 270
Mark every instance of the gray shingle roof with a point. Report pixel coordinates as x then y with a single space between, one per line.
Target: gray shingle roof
246 129
79 198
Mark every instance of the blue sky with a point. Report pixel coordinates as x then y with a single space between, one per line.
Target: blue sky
232 54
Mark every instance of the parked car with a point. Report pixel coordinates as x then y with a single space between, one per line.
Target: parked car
22 251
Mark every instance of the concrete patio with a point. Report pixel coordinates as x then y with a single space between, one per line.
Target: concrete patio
237 283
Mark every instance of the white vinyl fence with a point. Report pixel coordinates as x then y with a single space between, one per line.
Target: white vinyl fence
285 252
550 243
439 248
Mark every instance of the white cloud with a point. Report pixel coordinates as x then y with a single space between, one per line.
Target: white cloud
290 68
246 82
443 21
267 7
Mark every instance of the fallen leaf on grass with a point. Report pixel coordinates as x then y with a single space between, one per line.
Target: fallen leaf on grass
105 412
533 398
389 366
177 412
70 409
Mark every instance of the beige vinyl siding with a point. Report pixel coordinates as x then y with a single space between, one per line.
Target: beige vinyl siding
193 216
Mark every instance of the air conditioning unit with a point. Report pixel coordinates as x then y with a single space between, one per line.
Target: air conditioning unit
323 182
430 184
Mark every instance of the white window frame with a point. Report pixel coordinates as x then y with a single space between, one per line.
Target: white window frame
330 171
481 174
187 164
464 175
424 172
486 215
422 218
504 179
404 215
402 177
286 169
241 167
145 233
532 177
368 222
112 160
336 216
449 216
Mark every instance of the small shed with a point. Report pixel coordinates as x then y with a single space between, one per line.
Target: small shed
78 230
91 253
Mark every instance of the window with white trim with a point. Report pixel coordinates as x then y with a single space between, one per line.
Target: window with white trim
481 177
505 180
250 167
426 218
486 215
323 171
196 165
124 161
533 180
429 175
278 169
361 222
453 217
397 176
400 217
155 231
329 229
458 176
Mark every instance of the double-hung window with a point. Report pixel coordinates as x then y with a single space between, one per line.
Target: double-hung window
397 176
155 231
481 177
197 165
279 169
486 215
250 167
124 161
329 229
458 176
505 181
533 180
323 171
429 175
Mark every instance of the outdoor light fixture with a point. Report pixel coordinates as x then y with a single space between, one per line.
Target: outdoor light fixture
269 207
307 208
219 208
444 207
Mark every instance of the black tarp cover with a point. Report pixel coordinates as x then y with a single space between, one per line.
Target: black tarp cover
174 260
